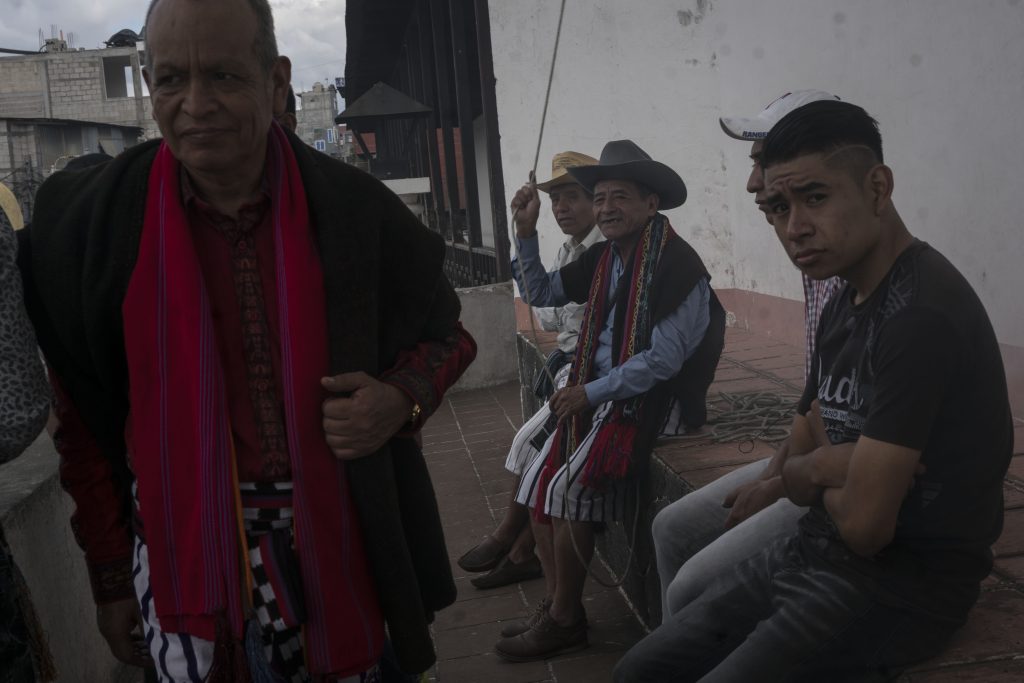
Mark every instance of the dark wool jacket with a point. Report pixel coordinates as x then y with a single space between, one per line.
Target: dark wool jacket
385 292
679 270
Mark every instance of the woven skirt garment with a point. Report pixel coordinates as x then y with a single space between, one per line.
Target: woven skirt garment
276 600
567 497
523 452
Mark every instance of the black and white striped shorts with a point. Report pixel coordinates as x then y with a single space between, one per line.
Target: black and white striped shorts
583 504
523 452
182 658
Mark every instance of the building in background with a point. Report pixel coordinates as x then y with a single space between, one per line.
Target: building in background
33 148
101 86
316 120
60 102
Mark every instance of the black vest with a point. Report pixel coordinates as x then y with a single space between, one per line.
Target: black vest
679 270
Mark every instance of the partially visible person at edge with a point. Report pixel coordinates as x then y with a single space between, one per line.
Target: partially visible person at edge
899 447
649 344
259 332
507 553
24 408
712 529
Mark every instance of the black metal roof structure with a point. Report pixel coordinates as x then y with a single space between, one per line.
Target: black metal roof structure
375 32
123 38
381 103
419 74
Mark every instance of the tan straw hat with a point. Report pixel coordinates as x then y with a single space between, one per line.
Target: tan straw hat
560 165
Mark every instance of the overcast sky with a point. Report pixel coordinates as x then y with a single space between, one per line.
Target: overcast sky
311 32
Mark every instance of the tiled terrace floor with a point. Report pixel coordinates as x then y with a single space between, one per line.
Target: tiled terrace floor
466 443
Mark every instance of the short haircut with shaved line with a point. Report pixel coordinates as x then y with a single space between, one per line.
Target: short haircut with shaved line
264 46
844 133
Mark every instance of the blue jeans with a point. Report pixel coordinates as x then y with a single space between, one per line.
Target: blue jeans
787 614
693 546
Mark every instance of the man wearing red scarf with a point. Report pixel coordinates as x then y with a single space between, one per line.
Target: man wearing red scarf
245 336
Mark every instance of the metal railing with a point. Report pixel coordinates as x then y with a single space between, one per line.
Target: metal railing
468 266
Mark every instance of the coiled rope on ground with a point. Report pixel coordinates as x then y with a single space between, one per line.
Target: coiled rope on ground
749 416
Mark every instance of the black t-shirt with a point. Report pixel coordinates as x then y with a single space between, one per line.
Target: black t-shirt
917 365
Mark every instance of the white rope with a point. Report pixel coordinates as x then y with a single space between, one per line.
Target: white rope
547 95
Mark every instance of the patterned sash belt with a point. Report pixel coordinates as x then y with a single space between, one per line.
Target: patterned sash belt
277 584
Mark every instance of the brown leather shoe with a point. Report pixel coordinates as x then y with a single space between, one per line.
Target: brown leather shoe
508 572
523 625
484 556
545 639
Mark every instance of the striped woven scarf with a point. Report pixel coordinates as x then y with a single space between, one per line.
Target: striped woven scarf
610 454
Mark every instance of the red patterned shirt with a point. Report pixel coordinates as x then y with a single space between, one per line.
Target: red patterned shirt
816 295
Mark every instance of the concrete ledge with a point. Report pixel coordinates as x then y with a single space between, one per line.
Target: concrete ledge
488 315
35 514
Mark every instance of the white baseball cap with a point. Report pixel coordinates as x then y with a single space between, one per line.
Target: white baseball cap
757 128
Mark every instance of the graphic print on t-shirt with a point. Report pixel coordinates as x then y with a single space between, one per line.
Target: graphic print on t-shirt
845 372
842 401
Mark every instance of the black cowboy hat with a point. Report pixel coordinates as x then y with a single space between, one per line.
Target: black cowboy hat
624 160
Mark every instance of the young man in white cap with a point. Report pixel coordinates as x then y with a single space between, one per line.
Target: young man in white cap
899 447
711 529
649 343
507 552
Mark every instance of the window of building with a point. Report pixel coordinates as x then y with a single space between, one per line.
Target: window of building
320 145
117 77
330 135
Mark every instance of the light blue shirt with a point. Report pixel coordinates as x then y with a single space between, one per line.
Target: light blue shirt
673 339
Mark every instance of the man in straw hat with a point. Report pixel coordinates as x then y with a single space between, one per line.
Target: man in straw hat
507 553
737 515
649 343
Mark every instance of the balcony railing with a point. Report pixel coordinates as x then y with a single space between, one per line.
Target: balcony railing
468 266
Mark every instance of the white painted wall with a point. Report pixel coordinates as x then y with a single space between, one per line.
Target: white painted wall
944 78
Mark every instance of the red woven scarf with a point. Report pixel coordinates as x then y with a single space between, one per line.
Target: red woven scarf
610 454
180 440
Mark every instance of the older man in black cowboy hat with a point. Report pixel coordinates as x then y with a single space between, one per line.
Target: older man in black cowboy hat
647 351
